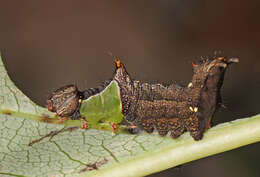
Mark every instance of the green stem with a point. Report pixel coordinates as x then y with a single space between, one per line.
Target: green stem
55 120
218 139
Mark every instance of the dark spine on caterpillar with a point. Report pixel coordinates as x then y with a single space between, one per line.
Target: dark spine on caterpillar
173 108
128 91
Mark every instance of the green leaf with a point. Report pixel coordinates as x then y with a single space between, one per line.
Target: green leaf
67 154
105 106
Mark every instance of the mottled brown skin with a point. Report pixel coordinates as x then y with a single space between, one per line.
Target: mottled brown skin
150 107
174 109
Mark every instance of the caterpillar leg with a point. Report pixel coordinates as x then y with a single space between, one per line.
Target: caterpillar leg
85 123
133 129
148 125
130 126
176 127
193 126
162 126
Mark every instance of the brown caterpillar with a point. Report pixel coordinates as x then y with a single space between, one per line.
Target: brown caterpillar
150 107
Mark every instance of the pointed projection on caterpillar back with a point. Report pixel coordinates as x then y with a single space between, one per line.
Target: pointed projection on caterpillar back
149 107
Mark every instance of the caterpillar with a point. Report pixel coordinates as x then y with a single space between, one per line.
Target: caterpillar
149 107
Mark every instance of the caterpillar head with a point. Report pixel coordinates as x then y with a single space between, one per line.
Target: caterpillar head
64 101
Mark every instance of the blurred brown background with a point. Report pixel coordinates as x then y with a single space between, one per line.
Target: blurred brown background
48 44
